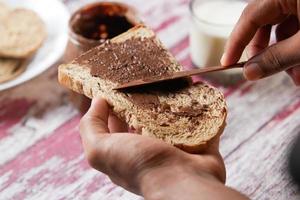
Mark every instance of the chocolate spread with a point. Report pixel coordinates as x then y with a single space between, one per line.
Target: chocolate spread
130 60
134 59
101 21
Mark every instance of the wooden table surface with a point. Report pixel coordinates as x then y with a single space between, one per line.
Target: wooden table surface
41 153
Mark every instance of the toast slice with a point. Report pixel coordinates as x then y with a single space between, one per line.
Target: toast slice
22 33
186 116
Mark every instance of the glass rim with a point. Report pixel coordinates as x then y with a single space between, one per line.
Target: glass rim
192 11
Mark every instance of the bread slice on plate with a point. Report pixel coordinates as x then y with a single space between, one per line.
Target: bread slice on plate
22 33
11 68
184 115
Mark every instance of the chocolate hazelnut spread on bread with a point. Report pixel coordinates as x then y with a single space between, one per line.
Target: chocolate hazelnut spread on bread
137 58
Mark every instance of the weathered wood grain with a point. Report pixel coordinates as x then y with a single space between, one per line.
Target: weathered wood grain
259 166
253 105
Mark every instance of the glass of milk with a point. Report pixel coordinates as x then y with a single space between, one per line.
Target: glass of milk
212 24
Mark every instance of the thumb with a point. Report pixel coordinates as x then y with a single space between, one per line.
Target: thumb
93 126
97 117
94 133
276 58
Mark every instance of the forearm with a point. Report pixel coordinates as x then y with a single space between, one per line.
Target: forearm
173 184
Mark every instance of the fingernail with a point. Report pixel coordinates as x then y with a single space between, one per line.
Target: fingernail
296 75
223 60
247 53
253 72
250 52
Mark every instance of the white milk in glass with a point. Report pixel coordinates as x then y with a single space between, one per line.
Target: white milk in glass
212 24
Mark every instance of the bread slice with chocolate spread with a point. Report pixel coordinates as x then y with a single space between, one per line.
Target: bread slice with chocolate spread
188 116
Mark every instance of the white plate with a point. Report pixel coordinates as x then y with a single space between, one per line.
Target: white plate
56 16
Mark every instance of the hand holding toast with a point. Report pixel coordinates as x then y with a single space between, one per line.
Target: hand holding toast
149 166
253 30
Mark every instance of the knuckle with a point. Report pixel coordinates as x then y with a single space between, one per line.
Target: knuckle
92 158
213 166
96 153
248 11
217 169
249 8
101 154
272 61
151 158
287 6
83 123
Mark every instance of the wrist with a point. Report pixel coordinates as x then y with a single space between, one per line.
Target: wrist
169 182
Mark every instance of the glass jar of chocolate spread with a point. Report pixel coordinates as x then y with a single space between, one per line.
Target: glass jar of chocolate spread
91 26
95 23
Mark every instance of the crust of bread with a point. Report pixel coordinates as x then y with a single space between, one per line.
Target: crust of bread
195 149
11 68
78 79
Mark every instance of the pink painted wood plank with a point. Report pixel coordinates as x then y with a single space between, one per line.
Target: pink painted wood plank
180 46
166 23
11 113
